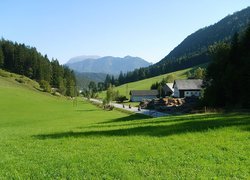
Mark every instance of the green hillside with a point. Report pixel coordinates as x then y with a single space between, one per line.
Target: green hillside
146 83
46 137
8 79
193 50
26 60
83 79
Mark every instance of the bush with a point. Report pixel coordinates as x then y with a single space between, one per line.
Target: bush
108 107
121 98
104 102
45 86
20 80
3 74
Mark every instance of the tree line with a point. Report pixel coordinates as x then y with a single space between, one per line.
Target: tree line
155 70
25 60
227 80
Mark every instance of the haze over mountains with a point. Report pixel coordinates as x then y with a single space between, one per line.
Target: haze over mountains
81 58
107 64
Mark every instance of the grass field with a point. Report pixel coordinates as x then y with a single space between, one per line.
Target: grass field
146 83
45 137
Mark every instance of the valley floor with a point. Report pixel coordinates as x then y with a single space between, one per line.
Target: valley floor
45 137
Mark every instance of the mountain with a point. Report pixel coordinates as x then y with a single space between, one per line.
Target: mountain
197 44
108 64
193 50
81 58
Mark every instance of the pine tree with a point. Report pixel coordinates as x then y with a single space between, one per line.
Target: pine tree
1 58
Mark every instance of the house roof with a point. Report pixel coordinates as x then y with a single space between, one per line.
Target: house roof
169 86
144 92
188 84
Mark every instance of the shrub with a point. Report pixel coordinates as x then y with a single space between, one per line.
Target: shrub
45 86
3 74
108 107
121 98
20 80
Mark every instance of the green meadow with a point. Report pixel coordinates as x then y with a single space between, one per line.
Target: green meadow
46 137
145 84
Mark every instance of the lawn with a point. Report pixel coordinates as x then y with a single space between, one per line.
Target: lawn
46 137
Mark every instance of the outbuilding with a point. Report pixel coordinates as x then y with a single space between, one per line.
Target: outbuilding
168 89
187 88
140 95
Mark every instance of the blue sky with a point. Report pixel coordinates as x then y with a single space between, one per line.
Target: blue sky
146 28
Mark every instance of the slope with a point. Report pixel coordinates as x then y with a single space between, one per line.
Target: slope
83 79
22 98
193 50
45 137
199 41
146 83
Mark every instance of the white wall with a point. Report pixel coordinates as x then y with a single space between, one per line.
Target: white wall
176 92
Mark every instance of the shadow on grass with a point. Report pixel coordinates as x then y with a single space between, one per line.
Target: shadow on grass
132 120
132 117
159 130
87 110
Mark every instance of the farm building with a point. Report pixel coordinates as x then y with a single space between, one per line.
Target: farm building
139 95
187 88
168 89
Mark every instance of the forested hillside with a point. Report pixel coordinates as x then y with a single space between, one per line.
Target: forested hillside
198 42
83 79
228 76
27 61
194 49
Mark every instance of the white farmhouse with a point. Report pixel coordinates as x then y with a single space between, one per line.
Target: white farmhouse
187 88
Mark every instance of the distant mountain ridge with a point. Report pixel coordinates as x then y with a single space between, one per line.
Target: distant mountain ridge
81 58
198 42
107 64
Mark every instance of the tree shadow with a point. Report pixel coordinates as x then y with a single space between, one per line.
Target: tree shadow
132 117
116 122
132 120
162 130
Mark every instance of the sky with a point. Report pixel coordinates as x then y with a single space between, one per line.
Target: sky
149 29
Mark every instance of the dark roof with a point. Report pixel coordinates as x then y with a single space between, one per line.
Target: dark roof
144 92
188 84
169 87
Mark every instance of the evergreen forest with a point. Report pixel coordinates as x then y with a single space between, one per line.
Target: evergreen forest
24 60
